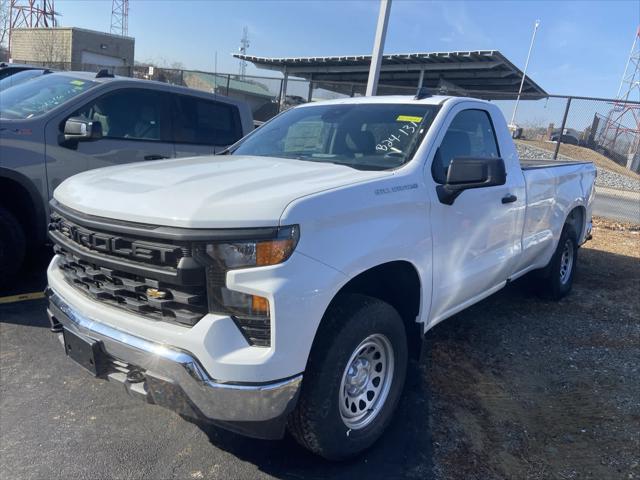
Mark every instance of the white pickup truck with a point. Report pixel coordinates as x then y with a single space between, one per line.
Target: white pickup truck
288 282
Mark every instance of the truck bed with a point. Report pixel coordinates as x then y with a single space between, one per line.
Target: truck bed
551 193
530 164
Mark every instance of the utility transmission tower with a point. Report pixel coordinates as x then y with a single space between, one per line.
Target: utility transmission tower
31 14
244 45
120 17
622 125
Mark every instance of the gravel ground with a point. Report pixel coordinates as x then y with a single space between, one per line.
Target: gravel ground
606 178
522 388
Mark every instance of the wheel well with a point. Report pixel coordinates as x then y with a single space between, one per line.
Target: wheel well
15 198
576 219
398 284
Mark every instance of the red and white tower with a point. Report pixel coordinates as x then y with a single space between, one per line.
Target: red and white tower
623 120
31 14
120 17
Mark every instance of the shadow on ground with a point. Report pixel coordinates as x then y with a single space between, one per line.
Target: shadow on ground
405 449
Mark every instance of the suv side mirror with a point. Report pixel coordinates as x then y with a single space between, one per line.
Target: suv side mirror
470 172
78 129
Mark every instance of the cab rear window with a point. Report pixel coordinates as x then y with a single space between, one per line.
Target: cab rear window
205 122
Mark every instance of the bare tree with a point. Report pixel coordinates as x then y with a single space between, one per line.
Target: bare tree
50 47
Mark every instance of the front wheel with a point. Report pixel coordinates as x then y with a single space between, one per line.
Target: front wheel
354 378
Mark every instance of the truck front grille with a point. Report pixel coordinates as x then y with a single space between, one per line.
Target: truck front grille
146 296
144 251
157 279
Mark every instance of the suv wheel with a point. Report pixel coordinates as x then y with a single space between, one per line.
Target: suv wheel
12 246
354 378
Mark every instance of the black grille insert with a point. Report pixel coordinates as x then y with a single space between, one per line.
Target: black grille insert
142 295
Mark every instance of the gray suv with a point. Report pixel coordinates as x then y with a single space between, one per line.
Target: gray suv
60 124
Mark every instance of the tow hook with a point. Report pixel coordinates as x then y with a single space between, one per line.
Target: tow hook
135 376
56 326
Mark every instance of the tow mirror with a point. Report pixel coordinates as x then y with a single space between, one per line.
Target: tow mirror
78 129
465 173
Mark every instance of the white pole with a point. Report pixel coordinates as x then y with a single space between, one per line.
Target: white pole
524 73
378 47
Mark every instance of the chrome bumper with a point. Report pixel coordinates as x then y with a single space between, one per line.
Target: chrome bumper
175 379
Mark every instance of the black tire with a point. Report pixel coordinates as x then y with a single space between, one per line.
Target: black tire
12 246
551 282
317 423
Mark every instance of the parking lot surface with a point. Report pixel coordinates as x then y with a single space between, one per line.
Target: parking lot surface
514 387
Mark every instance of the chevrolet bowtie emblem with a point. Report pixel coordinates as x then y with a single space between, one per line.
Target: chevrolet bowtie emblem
155 293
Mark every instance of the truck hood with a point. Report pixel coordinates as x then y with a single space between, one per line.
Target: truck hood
204 192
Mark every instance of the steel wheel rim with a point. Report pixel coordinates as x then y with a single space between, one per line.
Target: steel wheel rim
566 262
366 381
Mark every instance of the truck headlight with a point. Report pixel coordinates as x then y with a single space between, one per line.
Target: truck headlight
256 253
250 312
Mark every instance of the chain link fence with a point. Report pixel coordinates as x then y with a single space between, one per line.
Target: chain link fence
564 128
602 131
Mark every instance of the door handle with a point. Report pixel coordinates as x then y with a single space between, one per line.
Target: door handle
154 157
509 198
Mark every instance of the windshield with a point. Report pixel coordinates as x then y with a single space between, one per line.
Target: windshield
19 77
39 95
365 136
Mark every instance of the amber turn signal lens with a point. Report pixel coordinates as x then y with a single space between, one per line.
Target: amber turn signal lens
259 305
274 251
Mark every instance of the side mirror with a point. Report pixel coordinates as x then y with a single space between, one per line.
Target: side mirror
78 129
469 172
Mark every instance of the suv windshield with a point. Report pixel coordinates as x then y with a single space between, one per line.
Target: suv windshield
365 136
40 95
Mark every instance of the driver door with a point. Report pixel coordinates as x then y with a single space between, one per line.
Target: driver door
477 238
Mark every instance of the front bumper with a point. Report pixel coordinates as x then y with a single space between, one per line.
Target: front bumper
175 379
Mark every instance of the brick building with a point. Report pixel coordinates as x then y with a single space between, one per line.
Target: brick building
71 48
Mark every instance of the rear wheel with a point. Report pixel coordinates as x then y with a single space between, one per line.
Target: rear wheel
353 380
12 246
556 279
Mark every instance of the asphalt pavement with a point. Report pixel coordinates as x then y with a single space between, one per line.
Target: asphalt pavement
617 205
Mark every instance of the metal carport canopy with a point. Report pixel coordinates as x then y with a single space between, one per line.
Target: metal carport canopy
488 73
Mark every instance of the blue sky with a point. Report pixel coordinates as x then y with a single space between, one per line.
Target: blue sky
581 46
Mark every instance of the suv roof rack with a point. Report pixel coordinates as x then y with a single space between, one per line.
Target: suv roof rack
104 73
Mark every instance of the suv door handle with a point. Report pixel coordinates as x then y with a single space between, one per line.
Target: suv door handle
154 157
509 198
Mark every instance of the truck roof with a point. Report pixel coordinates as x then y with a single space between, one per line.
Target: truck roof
92 77
409 99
